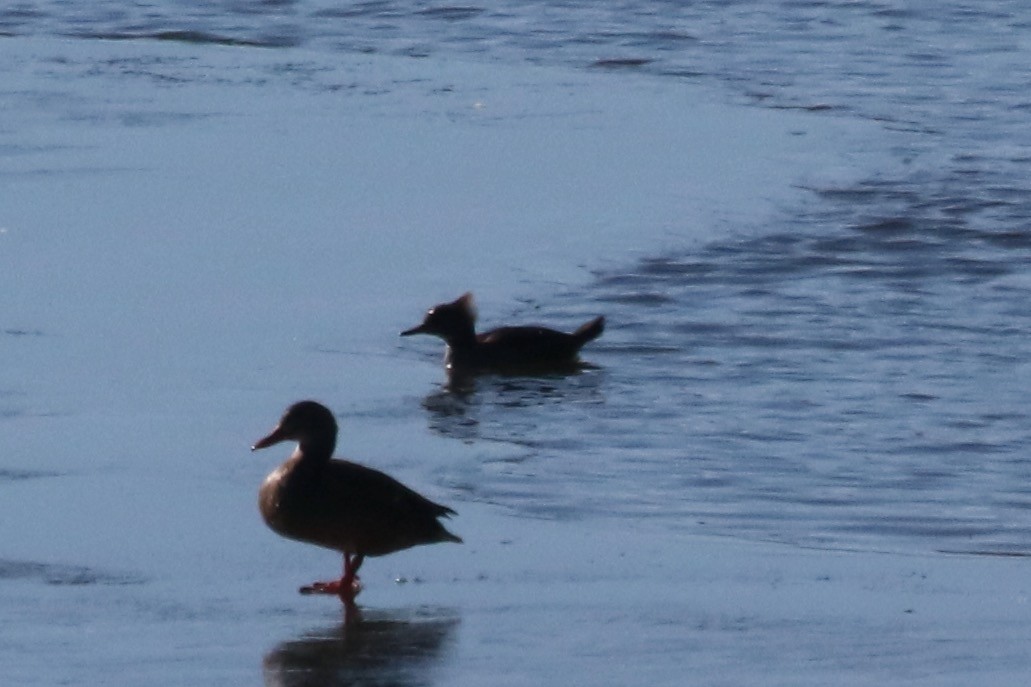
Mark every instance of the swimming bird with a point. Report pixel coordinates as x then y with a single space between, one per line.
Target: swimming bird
341 505
505 349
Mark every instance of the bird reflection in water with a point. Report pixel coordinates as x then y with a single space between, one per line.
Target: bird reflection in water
462 407
463 382
368 648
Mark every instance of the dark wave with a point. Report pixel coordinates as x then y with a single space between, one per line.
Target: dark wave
193 37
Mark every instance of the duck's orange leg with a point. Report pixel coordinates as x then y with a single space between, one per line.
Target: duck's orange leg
347 587
350 585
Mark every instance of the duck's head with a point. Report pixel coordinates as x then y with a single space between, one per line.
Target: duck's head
448 320
309 423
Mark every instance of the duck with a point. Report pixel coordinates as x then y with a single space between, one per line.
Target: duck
341 505
505 349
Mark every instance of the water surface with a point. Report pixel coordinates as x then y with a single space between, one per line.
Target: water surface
806 223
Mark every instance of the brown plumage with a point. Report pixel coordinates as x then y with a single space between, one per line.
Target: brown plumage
338 504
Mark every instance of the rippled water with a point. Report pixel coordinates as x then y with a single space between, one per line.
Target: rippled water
854 376
864 388
855 373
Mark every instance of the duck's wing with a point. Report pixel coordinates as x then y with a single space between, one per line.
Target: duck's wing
373 512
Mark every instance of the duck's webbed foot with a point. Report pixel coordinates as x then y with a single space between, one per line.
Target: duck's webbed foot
347 587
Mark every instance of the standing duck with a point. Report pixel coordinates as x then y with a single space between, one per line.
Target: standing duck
341 505
505 349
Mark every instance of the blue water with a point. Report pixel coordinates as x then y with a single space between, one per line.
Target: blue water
853 373
849 371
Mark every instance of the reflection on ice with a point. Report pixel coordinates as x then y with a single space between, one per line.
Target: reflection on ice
376 648
59 574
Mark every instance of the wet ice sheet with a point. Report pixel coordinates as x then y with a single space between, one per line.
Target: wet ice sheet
548 603
191 254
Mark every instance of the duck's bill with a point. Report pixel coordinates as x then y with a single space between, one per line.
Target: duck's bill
265 442
414 330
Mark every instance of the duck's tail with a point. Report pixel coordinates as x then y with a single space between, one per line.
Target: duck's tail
448 536
590 331
442 532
